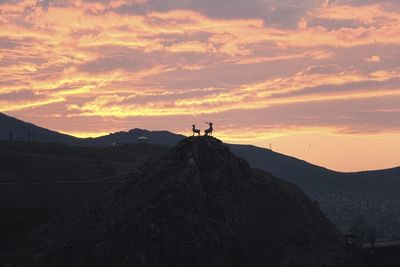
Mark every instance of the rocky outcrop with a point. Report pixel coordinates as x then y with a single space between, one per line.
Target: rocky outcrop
199 205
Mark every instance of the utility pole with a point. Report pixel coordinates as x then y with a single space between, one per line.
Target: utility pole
11 136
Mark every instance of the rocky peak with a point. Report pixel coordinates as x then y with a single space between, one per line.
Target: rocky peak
205 151
199 205
207 157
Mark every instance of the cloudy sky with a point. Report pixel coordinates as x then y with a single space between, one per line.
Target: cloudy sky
316 79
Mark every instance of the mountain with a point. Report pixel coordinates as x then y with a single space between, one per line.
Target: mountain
23 131
342 196
348 199
153 137
312 177
305 175
300 172
199 205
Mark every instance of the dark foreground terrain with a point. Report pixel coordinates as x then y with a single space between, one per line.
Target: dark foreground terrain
199 205
369 199
41 180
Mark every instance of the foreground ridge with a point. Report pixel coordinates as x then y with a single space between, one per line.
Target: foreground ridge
199 205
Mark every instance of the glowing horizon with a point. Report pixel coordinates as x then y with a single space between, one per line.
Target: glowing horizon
312 146
298 74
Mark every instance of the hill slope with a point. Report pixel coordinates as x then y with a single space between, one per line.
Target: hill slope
24 131
199 205
312 177
154 137
371 197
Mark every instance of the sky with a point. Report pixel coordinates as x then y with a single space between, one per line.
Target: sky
315 79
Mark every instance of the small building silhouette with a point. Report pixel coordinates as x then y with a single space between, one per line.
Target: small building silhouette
142 139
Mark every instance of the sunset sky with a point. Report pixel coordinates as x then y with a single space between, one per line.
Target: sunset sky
316 79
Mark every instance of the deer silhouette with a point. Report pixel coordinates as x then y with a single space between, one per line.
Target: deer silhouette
195 131
210 129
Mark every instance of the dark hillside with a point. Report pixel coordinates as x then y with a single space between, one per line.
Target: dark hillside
312 177
40 180
342 196
131 137
199 205
24 131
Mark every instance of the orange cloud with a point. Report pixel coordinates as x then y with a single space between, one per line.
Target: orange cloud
85 59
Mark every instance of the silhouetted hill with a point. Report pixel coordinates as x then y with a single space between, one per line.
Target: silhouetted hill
371 197
312 177
154 137
299 172
23 131
200 205
305 175
342 196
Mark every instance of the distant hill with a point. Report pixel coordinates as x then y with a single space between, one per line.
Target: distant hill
309 176
199 205
371 197
24 131
305 175
153 137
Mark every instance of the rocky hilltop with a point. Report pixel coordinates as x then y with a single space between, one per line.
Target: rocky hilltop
199 205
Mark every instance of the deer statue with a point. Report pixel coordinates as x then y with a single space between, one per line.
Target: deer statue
195 131
210 129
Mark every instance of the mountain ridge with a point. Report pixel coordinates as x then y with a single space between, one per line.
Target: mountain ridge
304 174
130 136
342 196
23 131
